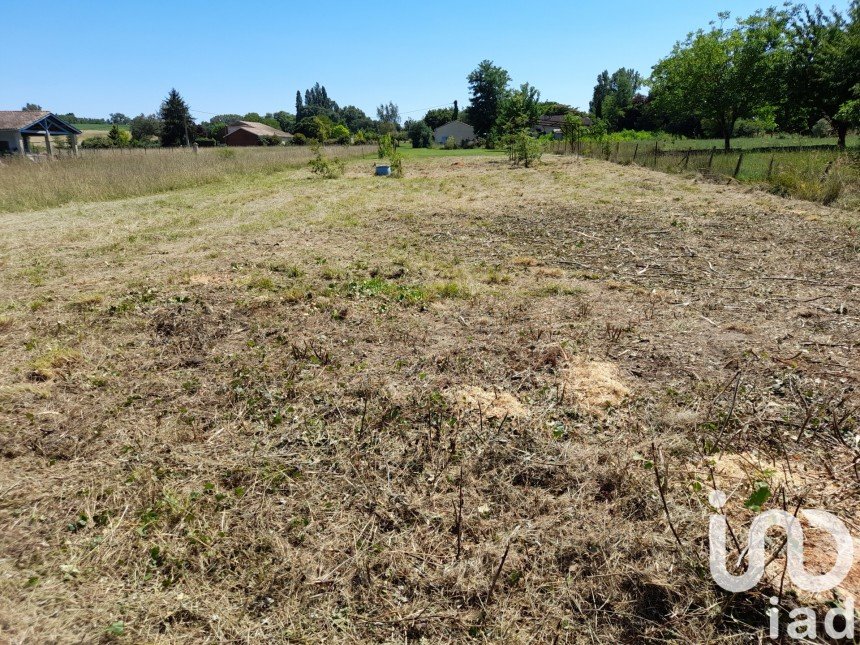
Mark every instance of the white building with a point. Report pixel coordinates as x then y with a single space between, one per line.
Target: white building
457 129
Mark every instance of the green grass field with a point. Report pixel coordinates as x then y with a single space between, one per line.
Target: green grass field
104 127
409 152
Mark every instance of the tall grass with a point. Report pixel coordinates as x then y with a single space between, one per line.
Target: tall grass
668 142
101 175
823 176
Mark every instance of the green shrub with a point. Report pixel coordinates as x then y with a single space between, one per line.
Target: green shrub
524 149
120 138
326 168
420 134
396 165
205 142
450 143
340 133
98 143
299 139
386 146
270 140
822 129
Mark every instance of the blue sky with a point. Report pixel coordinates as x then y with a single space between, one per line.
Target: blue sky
236 57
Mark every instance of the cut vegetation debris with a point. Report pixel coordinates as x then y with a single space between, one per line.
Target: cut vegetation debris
492 405
596 386
278 409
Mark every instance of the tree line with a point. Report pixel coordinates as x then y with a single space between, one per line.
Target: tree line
790 69
317 118
794 69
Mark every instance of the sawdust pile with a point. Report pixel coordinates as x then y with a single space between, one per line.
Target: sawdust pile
492 405
594 385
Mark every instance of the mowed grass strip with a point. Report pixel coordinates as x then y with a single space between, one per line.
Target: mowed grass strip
279 408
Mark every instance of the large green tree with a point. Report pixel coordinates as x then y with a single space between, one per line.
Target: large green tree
316 103
389 113
177 126
613 96
520 110
824 65
488 87
438 117
723 74
355 119
144 127
286 121
419 133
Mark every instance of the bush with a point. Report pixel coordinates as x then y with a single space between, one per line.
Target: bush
98 143
340 133
386 146
822 129
524 148
205 142
299 139
120 138
397 165
326 168
314 127
420 134
450 143
270 140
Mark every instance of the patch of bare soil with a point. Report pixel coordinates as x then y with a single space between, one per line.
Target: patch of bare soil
479 403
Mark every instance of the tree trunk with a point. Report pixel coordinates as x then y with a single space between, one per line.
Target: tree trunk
727 140
841 131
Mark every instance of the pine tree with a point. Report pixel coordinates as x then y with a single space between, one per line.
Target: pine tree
456 111
299 105
177 125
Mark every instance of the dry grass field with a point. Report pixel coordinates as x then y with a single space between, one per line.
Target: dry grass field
99 175
437 409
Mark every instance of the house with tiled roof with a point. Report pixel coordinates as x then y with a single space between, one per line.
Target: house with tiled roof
251 133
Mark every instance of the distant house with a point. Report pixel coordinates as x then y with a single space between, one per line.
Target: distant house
18 126
461 132
552 125
249 133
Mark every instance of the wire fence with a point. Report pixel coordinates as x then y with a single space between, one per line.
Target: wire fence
756 164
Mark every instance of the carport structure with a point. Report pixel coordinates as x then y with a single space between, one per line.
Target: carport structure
18 126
